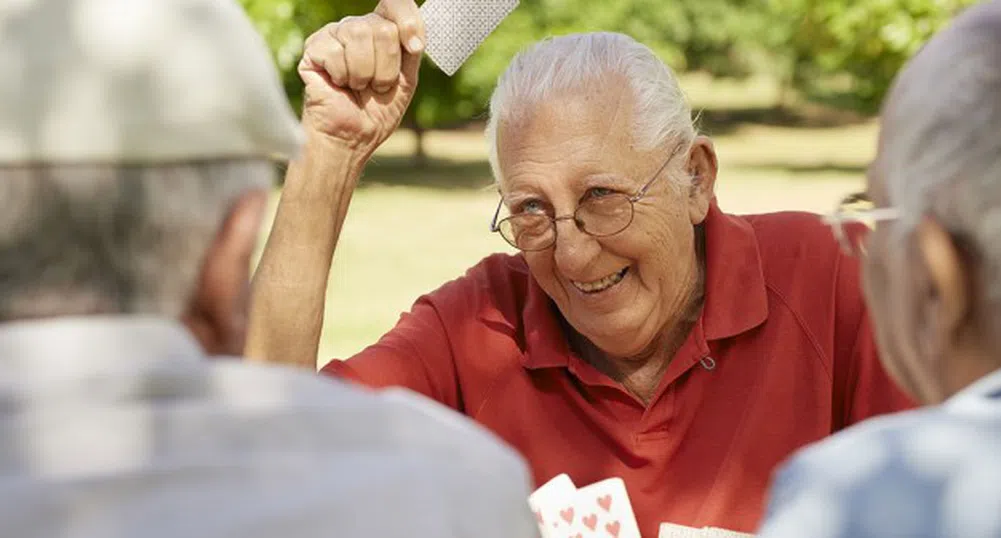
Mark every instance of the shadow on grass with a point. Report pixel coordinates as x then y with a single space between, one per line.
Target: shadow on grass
806 169
433 174
715 122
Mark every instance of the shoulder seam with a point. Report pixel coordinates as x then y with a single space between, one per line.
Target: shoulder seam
805 328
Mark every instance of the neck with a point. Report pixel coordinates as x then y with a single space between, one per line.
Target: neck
641 374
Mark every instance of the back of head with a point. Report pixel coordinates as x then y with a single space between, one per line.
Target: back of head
577 62
128 130
940 147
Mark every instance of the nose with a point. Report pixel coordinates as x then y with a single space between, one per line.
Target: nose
574 250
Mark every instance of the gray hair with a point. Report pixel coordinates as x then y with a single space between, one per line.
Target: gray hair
109 239
557 65
941 145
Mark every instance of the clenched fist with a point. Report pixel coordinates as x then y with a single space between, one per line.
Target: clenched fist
361 73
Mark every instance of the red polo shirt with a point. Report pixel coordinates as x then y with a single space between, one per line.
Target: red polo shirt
782 355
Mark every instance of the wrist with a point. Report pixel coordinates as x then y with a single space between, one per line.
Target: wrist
324 167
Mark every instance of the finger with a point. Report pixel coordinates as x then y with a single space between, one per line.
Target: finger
326 56
387 56
409 68
359 51
407 17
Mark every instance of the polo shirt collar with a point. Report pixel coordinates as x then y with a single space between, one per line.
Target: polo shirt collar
735 296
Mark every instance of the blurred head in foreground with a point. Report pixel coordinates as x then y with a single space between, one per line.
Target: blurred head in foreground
933 263
136 148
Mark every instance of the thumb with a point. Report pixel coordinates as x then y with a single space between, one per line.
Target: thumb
407 17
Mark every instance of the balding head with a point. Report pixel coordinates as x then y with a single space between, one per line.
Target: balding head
934 276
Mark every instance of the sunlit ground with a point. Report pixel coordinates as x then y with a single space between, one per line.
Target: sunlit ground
410 231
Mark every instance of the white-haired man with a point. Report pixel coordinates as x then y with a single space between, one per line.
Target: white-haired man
932 282
136 139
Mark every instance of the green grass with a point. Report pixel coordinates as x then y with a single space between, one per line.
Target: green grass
408 231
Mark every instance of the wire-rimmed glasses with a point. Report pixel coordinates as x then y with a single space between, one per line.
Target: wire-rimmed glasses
854 219
598 216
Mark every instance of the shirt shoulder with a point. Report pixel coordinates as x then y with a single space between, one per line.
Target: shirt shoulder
389 419
290 452
806 270
794 240
496 285
917 473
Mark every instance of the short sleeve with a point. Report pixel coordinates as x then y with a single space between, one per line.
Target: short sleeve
415 354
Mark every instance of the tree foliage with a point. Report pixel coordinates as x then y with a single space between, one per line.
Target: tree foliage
851 49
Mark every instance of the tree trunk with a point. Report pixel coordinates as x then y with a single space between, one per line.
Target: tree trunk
420 154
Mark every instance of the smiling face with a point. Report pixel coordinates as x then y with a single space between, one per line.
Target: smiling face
619 291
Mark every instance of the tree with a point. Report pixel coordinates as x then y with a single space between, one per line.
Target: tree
849 52
440 100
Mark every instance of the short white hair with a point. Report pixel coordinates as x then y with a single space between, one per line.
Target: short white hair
941 145
112 239
555 66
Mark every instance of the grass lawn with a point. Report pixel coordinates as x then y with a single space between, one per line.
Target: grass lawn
409 231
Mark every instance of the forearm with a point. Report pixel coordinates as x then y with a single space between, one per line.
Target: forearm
289 287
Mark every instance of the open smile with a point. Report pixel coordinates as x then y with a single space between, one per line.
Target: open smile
602 284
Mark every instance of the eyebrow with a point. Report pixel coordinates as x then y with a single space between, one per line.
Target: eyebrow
580 182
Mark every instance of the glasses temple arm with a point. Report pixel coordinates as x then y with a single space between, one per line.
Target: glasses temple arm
493 221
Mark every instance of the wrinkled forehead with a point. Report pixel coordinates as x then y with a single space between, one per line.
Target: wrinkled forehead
588 128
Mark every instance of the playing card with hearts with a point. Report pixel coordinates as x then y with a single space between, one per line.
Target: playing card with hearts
553 506
603 510
455 28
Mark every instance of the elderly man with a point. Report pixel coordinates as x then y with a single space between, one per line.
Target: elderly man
641 332
135 147
932 271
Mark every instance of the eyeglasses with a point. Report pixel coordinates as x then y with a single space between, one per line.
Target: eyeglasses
597 216
854 218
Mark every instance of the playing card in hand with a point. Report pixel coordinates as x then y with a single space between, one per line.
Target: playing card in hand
715 532
671 530
603 510
553 506
455 28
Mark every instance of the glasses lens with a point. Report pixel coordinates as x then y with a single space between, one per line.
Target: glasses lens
605 215
528 232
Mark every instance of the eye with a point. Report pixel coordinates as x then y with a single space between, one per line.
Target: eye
530 206
598 192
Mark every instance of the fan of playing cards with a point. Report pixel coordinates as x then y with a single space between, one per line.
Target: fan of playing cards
599 510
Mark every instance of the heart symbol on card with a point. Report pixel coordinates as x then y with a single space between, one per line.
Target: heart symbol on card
605 502
567 514
538 517
591 521
613 528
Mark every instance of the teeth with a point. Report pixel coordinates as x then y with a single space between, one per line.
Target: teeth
601 285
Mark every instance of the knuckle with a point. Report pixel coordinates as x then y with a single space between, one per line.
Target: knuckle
357 31
388 35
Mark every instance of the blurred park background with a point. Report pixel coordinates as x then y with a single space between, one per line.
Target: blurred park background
788 89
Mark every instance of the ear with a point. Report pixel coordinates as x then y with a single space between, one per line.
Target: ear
217 314
702 167
949 288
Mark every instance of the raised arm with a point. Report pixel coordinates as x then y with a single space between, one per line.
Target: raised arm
360 74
